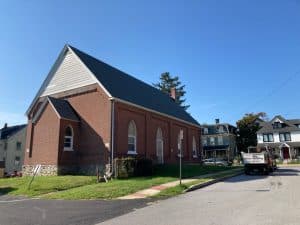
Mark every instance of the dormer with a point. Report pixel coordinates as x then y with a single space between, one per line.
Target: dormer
277 123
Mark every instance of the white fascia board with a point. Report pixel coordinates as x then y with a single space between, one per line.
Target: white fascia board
48 78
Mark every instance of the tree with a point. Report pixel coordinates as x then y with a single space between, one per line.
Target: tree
167 82
247 128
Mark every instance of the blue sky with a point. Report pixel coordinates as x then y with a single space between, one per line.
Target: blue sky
234 56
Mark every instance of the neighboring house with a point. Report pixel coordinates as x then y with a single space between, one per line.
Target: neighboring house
87 113
280 135
219 140
12 147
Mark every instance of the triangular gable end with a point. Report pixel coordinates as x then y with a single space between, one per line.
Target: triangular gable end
70 74
67 73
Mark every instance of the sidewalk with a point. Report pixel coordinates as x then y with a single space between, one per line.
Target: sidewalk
156 189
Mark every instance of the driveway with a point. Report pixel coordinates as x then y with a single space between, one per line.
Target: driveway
21 211
242 200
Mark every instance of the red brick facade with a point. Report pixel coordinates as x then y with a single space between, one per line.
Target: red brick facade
92 141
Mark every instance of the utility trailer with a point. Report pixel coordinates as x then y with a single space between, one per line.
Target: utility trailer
263 162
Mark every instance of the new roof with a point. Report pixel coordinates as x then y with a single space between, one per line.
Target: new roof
122 87
64 109
125 87
7 132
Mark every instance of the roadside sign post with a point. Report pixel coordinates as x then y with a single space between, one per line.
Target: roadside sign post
180 156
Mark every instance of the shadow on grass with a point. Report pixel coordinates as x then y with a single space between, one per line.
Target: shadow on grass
188 170
6 190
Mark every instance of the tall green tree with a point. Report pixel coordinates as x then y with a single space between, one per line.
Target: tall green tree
247 128
167 82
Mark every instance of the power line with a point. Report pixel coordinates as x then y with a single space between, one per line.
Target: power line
271 92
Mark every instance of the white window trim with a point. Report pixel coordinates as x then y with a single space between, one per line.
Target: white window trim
129 152
69 149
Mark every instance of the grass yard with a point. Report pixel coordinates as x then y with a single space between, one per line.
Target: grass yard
86 187
180 189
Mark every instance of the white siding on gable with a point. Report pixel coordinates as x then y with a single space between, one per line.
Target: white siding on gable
70 74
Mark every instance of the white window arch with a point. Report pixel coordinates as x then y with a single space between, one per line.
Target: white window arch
68 139
159 146
132 138
194 145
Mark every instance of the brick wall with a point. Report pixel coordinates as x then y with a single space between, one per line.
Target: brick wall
147 124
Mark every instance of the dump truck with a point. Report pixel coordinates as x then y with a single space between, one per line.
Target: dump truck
263 162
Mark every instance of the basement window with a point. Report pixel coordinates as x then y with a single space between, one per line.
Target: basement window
68 140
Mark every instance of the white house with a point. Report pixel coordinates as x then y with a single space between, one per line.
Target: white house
281 135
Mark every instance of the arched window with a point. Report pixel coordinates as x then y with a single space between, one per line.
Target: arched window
159 146
68 141
194 145
132 138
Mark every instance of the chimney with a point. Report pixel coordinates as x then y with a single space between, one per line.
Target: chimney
5 126
173 93
217 121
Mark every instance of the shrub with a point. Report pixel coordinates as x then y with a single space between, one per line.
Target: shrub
144 167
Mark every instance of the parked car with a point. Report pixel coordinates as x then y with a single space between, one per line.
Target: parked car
215 162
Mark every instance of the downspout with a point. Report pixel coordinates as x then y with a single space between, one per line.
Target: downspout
112 125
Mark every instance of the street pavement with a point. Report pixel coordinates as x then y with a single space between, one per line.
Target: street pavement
242 200
21 211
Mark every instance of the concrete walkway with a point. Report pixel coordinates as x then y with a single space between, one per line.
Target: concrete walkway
158 188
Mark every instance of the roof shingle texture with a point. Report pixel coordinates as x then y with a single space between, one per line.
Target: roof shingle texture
64 109
125 87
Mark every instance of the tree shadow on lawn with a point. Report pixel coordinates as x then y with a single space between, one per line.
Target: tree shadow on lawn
188 171
6 190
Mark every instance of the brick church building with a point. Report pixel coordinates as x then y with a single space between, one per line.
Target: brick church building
87 113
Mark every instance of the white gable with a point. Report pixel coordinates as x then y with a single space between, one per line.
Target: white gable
70 74
277 121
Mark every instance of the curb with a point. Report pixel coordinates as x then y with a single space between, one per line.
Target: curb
202 185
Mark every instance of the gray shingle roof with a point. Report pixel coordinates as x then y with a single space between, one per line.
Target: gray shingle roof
267 127
125 87
64 109
7 132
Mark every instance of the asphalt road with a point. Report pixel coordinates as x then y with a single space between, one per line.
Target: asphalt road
20 211
242 200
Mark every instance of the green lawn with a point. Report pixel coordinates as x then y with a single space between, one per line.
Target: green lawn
179 189
86 187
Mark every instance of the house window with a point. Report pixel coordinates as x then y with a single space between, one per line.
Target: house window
268 137
17 160
277 125
5 145
220 140
212 141
284 137
205 130
18 145
68 141
204 141
195 153
132 138
221 129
